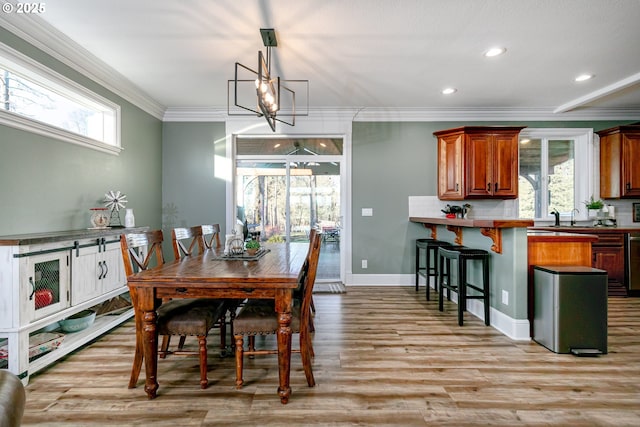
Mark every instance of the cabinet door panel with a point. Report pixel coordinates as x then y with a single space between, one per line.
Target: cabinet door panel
610 173
450 168
479 181
610 259
44 286
84 279
113 275
505 166
630 165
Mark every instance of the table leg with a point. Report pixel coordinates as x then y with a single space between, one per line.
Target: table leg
150 343
283 308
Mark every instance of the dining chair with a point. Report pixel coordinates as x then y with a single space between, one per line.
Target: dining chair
257 318
211 236
187 241
141 251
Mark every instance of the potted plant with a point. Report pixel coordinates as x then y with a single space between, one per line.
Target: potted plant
252 247
593 206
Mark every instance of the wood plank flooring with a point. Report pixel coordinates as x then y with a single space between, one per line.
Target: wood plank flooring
384 356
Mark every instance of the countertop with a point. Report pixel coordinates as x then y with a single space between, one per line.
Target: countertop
559 236
58 236
589 229
475 223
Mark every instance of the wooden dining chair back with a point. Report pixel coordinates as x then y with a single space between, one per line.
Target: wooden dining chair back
211 236
258 318
141 251
187 241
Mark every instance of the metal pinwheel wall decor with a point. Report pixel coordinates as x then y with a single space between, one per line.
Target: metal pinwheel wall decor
115 201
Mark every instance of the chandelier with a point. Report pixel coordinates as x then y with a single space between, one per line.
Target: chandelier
275 98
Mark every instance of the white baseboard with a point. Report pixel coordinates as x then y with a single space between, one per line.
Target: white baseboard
516 329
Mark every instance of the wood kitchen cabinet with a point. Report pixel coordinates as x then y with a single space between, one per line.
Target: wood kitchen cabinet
619 168
608 254
478 162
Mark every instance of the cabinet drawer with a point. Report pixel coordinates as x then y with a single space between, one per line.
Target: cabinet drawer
610 240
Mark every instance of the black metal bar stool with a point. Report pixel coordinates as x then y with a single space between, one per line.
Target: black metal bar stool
462 254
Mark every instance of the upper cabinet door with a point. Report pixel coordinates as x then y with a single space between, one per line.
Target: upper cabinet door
505 162
631 164
450 186
479 169
619 166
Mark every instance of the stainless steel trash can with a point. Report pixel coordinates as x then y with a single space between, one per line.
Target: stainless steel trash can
570 309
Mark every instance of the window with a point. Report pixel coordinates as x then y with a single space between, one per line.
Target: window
39 100
555 172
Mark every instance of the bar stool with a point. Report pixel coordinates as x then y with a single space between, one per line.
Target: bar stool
433 271
422 271
461 255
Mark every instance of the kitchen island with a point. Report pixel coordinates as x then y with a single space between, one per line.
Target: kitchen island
506 241
610 252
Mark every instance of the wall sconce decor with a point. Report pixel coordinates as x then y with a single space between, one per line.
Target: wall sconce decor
274 97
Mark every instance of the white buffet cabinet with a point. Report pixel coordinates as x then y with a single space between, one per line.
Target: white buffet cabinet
47 277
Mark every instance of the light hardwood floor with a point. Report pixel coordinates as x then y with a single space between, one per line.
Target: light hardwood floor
384 356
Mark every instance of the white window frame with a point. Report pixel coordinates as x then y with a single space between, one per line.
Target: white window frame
23 65
583 166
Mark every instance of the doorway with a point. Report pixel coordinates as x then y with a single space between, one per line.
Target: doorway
284 187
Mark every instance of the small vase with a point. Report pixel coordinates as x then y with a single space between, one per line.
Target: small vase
129 219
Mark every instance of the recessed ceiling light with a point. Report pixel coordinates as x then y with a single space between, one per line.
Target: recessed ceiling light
584 77
495 51
525 141
449 90
277 145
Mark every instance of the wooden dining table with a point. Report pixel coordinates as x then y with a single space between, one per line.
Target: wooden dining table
274 275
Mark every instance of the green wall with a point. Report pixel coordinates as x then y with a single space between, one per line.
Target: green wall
192 192
392 161
49 185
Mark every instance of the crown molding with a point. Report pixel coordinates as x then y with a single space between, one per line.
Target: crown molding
491 114
415 114
45 37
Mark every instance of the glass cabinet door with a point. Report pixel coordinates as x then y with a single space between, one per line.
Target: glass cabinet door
45 285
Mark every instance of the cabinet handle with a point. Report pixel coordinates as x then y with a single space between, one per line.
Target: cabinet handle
101 270
106 269
181 290
495 187
488 186
628 186
33 288
456 187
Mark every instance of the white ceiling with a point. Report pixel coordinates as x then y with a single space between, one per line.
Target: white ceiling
366 54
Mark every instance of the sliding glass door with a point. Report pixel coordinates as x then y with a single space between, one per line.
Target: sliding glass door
285 195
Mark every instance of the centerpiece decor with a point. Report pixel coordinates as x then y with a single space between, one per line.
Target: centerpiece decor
252 247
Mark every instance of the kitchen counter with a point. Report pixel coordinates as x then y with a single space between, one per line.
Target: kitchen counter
506 241
555 248
491 228
589 229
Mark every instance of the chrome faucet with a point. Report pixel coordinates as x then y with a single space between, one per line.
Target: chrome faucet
573 219
557 215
